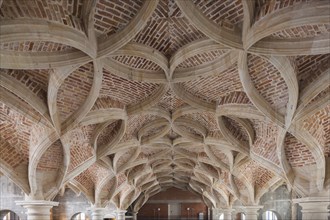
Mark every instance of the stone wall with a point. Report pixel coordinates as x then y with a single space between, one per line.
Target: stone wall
9 193
69 204
278 201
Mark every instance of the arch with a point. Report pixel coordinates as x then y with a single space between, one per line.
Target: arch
240 216
79 216
7 214
270 215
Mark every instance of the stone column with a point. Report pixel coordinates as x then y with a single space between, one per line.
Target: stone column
251 212
37 209
97 213
314 207
121 214
134 215
227 214
215 214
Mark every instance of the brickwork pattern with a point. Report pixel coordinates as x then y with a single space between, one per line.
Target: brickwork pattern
170 101
265 140
52 159
234 98
237 130
211 88
168 30
137 62
265 7
74 90
15 130
108 133
80 146
207 119
112 16
201 58
125 91
310 67
297 153
262 176
269 83
224 13
306 31
35 46
34 80
106 103
319 126
11 155
67 12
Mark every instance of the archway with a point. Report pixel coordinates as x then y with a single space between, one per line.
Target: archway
240 216
79 216
8 215
270 215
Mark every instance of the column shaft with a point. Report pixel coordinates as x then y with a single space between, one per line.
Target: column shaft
134 215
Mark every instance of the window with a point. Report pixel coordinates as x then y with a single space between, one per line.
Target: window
221 216
240 216
269 215
79 216
8 215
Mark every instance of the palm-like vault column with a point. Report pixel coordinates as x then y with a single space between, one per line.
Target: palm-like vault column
314 207
251 212
37 209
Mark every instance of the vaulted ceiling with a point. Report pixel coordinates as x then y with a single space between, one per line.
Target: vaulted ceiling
121 99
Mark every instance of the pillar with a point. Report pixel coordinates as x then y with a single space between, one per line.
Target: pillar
314 207
215 214
37 209
251 212
134 215
227 214
97 213
120 214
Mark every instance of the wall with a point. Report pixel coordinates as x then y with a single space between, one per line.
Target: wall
69 204
9 193
173 195
194 209
278 201
150 211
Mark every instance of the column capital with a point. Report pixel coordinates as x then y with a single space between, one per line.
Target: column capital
314 207
121 214
97 213
36 203
37 209
253 208
311 199
251 212
228 210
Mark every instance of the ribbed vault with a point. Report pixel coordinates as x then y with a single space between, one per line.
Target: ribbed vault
123 99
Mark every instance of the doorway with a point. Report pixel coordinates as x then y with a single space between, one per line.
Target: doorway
174 211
